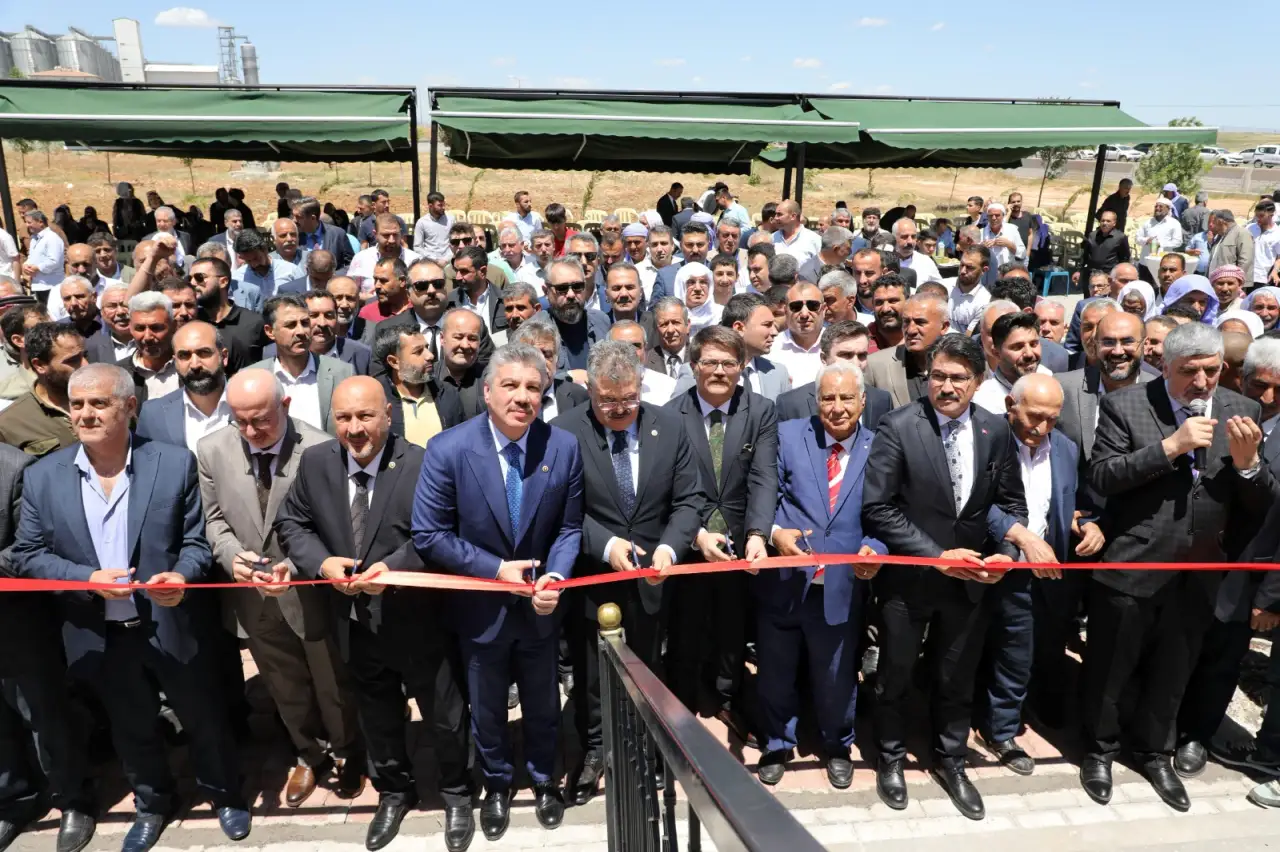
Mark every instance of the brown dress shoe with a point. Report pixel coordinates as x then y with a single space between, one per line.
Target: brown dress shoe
302 783
350 778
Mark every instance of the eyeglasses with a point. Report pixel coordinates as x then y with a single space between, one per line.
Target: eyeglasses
575 286
462 241
942 378
727 366
588 256
201 277
618 405
812 305
428 284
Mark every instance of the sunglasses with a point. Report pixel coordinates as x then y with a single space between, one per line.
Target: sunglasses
588 256
201 277
465 241
812 305
429 284
575 286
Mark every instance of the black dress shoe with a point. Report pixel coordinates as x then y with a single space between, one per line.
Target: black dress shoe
772 767
1095 777
587 778
964 795
840 772
235 822
737 726
9 832
74 831
513 697
459 827
385 824
1190 759
495 814
891 785
548 806
144 833
1167 784
1011 755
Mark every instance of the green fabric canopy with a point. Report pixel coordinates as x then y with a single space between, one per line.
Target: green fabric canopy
312 125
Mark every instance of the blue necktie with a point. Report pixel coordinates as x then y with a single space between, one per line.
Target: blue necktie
515 486
622 471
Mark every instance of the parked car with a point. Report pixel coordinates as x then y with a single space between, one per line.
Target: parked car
1262 155
1144 147
1220 156
1124 153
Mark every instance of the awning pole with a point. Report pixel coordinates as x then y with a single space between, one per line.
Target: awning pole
434 167
800 172
413 161
786 175
6 197
1099 166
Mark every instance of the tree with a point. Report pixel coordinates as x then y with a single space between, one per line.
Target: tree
189 162
24 147
1175 163
1055 165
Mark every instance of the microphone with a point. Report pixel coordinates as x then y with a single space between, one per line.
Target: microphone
1198 407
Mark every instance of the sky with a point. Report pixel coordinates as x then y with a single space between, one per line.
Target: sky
1144 55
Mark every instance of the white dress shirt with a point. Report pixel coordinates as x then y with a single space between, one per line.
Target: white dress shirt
1266 248
361 268
1037 482
966 308
926 270
550 409
1166 235
303 392
803 246
8 255
648 275
159 382
527 224
196 425
58 308
480 307
656 388
802 364
965 439
47 255
991 393
1000 254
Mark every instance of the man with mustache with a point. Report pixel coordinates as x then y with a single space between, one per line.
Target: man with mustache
901 370
199 407
796 349
623 293
323 310
580 327
888 291
241 328
114 341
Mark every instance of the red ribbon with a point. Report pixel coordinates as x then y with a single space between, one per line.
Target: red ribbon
424 580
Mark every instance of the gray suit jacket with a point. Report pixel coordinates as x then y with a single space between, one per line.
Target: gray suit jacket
1235 247
1080 408
887 370
329 372
774 380
234 523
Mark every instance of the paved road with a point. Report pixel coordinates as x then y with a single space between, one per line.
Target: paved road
1219 178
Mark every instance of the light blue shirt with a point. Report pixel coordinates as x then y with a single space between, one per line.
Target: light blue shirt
245 295
735 212
1200 241
108 522
528 223
279 274
47 254
302 257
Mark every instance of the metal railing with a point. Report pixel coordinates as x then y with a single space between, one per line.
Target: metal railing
651 742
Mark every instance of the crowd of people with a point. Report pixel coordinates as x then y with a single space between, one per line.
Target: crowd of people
335 398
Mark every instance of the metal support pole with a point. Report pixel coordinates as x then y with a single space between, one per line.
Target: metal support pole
1099 167
6 197
786 175
800 172
434 167
609 617
413 153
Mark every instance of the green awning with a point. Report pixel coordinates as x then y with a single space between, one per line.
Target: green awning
278 124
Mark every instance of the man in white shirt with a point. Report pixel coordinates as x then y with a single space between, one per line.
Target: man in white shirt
388 243
80 261
199 407
797 348
1161 232
1266 243
969 297
655 388
8 254
431 232
44 266
1004 243
527 219
904 245
790 236
660 245
1015 345
522 265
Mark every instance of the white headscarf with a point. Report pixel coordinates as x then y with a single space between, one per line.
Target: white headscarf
708 313
1249 318
1147 293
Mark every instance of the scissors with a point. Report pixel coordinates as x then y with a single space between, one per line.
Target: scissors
728 546
356 568
635 559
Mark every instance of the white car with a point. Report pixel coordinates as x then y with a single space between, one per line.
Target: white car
1262 155
1220 156
1124 153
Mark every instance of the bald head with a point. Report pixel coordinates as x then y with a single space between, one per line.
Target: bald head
994 311
1234 346
195 334
362 417
1034 404
1039 389
258 405
1121 324
789 207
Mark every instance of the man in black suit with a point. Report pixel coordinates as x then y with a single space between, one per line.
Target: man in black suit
667 204
459 364
846 340
393 640
34 716
562 395
935 505
314 234
671 322
114 341
325 340
1175 460
428 303
474 291
644 505
734 436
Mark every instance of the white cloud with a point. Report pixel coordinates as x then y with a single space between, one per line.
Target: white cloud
670 62
807 63
872 22
572 82
502 61
839 87
938 27
185 16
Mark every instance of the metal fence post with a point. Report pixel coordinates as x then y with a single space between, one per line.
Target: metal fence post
609 617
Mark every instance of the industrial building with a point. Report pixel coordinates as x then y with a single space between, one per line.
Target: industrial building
79 56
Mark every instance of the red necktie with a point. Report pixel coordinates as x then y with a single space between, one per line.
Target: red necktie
834 477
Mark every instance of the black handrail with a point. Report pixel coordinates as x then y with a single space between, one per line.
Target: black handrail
653 741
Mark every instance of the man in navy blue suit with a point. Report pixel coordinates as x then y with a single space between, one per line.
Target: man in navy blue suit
500 497
111 509
199 407
816 611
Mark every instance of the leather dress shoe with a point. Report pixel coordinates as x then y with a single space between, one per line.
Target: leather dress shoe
548 806
386 822
1190 759
144 833
964 795
302 783
587 778
1095 778
1011 755
772 767
840 772
737 726
235 822
459 827
495 814
9 832
350 781
1167 784
891 785
74 831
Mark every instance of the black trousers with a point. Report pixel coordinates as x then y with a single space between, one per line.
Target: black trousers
707 631
431 675
132 666
957 632
39 747
1213 681
1055 605
644 632
1149 646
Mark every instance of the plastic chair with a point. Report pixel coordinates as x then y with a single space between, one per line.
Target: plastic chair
1051 275
593 217
457 215
480 217
627 215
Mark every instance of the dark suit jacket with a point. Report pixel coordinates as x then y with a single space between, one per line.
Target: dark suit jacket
667 208
569 395
99 348
908 503
461 523
1157 511
497 314
349 351
597 330
161 420
448 403
1241 591
669 496
802 402
28 622
314 523
166 533
1063 468
746 492
334 240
